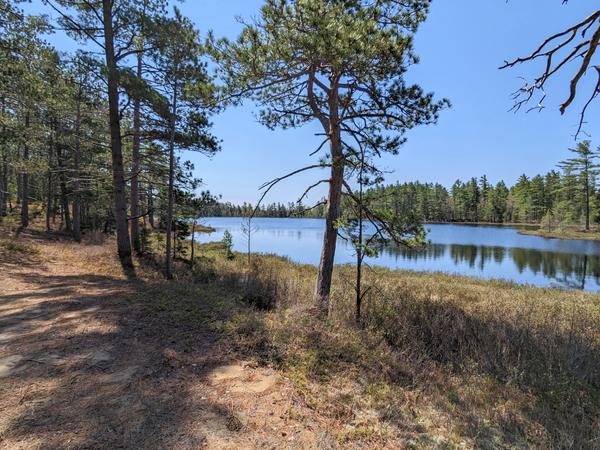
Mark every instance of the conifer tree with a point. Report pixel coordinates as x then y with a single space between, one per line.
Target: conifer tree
584 167
340 63
180 76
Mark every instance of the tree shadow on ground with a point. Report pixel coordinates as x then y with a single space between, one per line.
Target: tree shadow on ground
97 362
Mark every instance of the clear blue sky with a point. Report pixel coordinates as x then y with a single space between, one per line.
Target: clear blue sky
461 46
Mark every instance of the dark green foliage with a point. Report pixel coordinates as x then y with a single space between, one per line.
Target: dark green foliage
554 198
56 153
228 244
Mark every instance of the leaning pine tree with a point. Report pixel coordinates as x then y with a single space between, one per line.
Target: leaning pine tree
341 63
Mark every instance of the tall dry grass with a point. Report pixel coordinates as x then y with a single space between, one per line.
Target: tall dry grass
492 363
440 361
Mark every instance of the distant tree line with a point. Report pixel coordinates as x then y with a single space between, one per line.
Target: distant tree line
290 209
560 197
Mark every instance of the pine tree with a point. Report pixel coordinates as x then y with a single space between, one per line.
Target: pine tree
340 64
181 77
584 168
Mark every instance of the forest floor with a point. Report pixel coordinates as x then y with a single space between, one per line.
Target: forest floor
90 358
85 362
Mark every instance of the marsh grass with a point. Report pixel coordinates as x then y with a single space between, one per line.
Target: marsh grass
570 232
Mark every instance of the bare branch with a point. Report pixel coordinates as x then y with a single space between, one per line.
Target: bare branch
270 184
551 51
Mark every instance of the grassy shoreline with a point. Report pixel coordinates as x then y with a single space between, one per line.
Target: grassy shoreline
200 228
567 234
441 361
489 364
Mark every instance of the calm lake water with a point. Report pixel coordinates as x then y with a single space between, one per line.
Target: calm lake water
479 251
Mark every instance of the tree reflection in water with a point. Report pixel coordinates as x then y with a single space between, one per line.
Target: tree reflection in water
567 269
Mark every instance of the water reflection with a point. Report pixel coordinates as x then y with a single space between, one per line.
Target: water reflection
480 251
566 269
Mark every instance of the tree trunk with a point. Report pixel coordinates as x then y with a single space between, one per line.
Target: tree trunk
120 199
55 207
150 201
358 284
77 174
587 201
325 273
19 183
193 241
25 183
4 186
324 276
3 173
136 160
49 193
64 197
359 248
249 239
169 260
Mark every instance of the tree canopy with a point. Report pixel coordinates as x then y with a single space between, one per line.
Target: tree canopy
340 63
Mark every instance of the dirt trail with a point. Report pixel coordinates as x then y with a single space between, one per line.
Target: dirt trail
83 364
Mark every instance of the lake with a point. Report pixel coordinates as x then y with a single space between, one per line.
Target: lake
482 251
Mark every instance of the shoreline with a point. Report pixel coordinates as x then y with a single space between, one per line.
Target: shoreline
528 229
487 224
567 235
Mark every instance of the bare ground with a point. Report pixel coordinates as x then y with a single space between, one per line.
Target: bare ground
84 363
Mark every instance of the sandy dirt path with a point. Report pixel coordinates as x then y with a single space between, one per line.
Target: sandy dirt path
84 364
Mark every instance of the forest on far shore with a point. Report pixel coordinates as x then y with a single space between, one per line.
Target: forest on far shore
559 198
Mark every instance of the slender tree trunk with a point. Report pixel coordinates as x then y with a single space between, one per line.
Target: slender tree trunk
49 193
64 197
55 208
120 199
19 183
135 155
249 239
77 174
150 201
359 248
358 284
4 172
25 183
325 273
4 186
169 261
193 240
587 200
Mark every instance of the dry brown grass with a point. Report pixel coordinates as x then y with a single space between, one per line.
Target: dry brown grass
571 232
442 361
